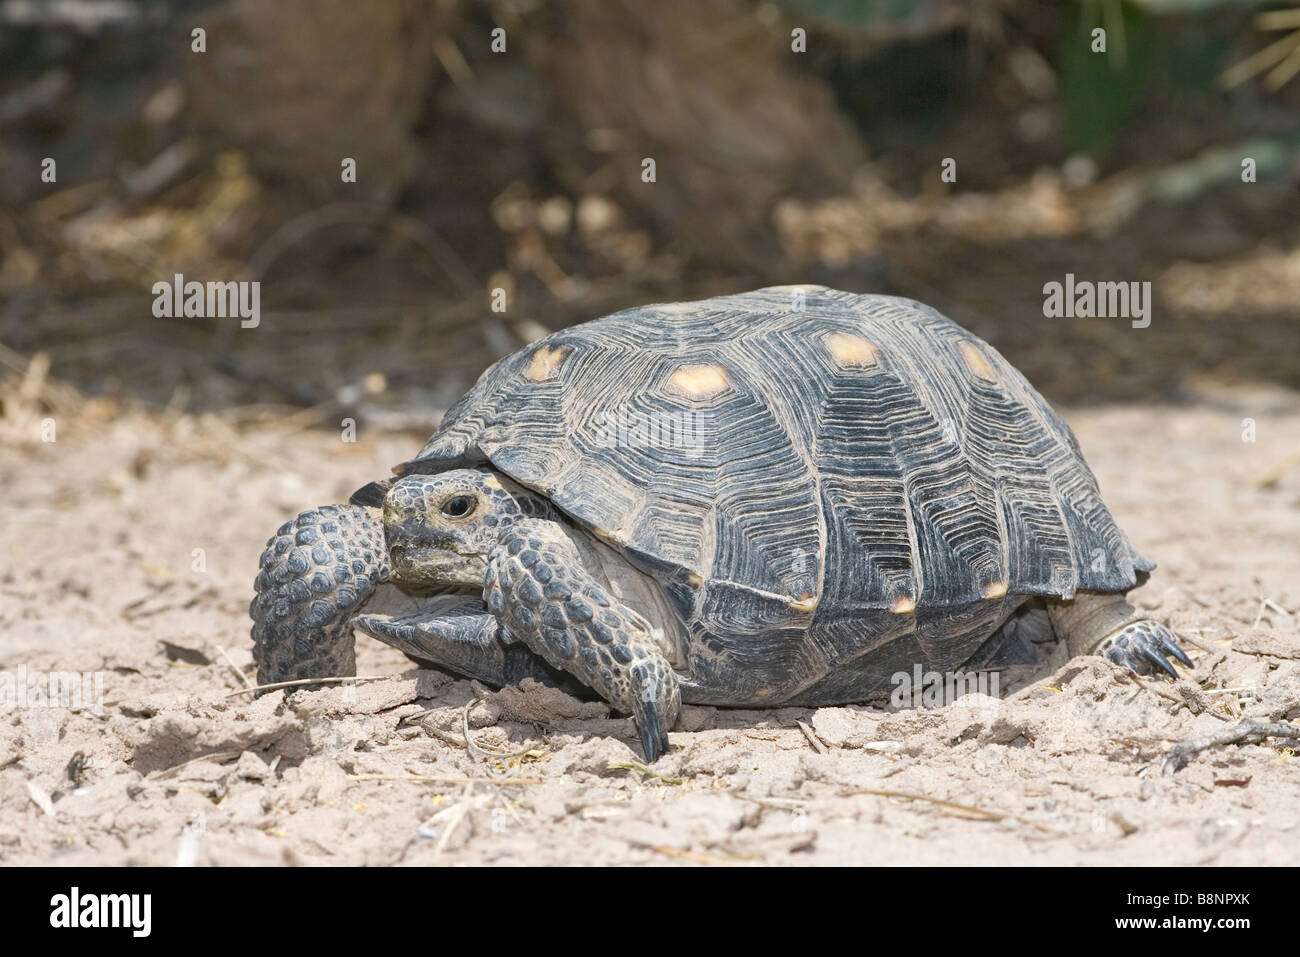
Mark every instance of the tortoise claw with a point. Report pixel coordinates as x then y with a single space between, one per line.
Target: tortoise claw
1156 658
654 741
1170 644
656 703
1142 647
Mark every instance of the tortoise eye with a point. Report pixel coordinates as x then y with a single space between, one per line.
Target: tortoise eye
458 506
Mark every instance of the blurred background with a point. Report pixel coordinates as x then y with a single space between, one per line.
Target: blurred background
793 140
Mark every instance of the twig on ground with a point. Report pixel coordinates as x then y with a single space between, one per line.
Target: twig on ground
1127 675
235 668
1251 688
474 748
310 681
445 736
175 769
1250 731
1273 475
778 804
1206 646
685 855
970 811
446 779
455 815
646 770
1264 605
812 738
978 812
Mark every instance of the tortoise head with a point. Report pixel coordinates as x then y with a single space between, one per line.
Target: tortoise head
440 528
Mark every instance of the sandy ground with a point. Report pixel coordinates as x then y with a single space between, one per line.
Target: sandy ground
101 575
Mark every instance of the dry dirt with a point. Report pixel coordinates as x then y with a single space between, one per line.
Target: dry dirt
101 574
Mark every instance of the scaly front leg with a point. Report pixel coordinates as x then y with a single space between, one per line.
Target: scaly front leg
316 572
544 597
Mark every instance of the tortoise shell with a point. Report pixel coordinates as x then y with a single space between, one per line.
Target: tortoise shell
793 454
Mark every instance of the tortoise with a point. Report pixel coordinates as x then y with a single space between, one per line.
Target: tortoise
781 497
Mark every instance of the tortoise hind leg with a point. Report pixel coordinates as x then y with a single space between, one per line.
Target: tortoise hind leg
1107 625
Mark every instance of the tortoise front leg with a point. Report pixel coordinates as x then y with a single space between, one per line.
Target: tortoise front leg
316 572
544 597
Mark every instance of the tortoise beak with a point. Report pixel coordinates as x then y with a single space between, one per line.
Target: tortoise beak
422 556
414 533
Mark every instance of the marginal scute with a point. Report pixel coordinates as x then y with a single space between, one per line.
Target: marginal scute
995 590
904 606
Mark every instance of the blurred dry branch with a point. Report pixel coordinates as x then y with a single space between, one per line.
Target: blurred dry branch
1279 61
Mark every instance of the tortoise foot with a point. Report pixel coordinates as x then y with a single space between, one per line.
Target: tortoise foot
1144 647
316 572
